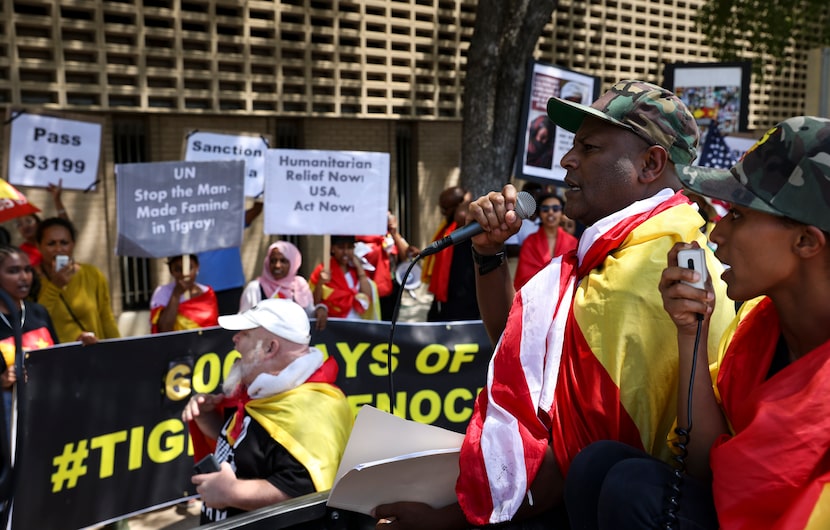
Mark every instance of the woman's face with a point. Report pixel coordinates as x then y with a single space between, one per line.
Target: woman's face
57 240
550 212
757 247
16 275
278 264
27 227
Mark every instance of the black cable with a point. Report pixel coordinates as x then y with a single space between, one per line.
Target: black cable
682 443
392 333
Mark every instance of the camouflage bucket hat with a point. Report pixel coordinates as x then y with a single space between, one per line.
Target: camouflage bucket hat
649 111
786 173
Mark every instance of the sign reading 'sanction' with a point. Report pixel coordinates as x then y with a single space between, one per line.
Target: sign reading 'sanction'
202 146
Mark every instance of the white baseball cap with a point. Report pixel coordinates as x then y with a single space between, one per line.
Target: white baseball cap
282 317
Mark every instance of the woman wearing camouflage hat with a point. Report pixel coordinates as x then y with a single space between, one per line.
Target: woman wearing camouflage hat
760 435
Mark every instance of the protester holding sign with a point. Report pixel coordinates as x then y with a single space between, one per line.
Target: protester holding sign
27 225
76 295
183 303
345 288
279 279
286 425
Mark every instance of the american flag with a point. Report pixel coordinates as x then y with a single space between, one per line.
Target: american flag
715 153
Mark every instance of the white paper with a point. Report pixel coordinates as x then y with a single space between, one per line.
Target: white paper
389 459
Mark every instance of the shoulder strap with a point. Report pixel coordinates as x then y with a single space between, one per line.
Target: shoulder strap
71 313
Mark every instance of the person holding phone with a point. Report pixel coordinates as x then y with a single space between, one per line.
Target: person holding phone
758 443
584 351
76 295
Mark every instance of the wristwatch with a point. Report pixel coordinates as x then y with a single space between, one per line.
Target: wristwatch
488 263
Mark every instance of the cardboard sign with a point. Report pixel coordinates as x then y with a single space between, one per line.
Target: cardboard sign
204 146
45 149
311 192
172 208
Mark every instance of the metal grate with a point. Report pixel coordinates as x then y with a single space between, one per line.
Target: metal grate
406 172
130 145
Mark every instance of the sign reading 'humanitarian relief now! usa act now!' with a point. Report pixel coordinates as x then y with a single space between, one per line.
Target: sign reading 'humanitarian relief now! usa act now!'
326 192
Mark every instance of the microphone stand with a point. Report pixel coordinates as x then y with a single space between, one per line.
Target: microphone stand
392 332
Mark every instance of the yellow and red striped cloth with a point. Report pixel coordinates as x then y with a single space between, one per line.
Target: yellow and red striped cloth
588 354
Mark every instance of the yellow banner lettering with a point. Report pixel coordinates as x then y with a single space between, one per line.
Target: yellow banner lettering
380 354
166 441
106 443
351 357
463 353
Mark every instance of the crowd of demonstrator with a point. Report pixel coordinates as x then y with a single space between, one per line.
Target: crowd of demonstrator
606 356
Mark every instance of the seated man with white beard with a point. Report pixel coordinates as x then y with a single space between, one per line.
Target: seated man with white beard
281 425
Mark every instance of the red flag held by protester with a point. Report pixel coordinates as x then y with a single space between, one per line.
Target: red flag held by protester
13 203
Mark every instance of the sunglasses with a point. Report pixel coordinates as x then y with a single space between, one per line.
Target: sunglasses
550 208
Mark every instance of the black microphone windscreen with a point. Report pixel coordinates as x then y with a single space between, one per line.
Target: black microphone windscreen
525 205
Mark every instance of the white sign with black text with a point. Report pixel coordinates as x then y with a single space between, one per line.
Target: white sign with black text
46 149
205 146
310 192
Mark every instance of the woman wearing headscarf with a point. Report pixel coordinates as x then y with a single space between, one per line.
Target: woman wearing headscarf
279 279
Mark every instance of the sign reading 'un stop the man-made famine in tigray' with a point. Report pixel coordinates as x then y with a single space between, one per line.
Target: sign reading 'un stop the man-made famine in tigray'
46 149
326 192
172 208
206 146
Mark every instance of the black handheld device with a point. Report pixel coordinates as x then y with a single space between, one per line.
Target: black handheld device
208 464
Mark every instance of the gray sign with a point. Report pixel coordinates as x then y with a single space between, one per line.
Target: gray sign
171 208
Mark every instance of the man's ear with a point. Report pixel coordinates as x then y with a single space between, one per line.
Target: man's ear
811 242
273 348
653 162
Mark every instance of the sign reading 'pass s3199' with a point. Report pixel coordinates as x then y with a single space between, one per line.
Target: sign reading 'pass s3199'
46 149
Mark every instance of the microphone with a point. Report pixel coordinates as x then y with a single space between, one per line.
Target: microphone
525 206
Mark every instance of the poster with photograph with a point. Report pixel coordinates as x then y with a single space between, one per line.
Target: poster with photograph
541 144
717 94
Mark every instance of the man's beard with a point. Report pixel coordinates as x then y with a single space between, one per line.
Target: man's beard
241 369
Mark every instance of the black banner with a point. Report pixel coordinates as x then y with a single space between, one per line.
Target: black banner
100 430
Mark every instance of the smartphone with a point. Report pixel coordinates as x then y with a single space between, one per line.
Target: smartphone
208 464
694 259
61 262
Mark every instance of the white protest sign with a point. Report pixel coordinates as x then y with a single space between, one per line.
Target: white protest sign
171 208
45 149
206 146
310 192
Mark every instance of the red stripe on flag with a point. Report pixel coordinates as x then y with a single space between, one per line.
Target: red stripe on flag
588 404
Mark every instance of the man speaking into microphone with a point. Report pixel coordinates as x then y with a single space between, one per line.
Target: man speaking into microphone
584 350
